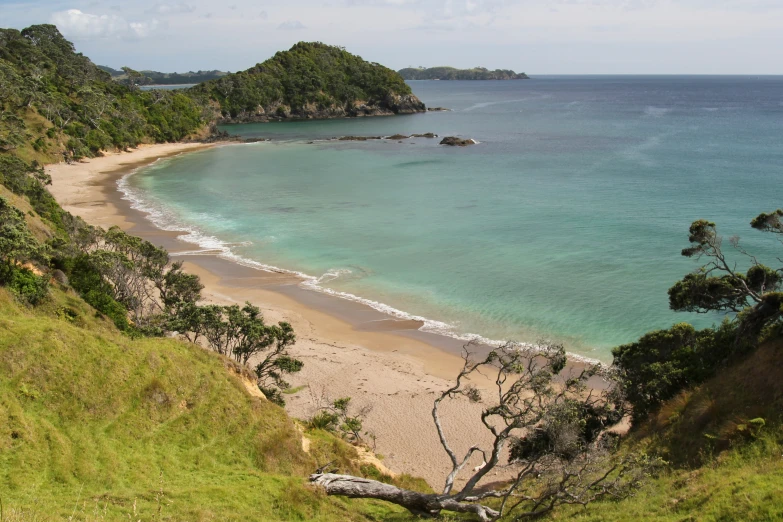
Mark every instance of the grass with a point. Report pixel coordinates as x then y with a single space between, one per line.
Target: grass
725 464
97 426
294 391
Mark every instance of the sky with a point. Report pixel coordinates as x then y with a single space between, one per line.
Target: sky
534 36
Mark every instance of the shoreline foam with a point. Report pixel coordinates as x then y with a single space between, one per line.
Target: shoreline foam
209 244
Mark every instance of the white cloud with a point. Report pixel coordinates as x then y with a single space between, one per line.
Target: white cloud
171 9
77 25
291 25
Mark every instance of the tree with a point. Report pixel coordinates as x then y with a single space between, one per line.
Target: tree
17 244
662 363
133 79
554 425
755 295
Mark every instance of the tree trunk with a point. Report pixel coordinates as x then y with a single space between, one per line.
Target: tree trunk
419 503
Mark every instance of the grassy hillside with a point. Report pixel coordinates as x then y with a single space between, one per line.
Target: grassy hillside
100 426
723 441
310 80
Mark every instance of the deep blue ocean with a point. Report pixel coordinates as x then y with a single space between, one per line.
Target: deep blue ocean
564 222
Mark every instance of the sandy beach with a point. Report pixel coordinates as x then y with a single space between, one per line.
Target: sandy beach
349 349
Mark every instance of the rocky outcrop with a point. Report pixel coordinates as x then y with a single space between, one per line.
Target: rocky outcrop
438 109
392 137
358 138
457 142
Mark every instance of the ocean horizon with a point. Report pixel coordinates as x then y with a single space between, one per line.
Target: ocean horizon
564 222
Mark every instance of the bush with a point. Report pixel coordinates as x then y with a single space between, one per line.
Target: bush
93 289
664 362
25 285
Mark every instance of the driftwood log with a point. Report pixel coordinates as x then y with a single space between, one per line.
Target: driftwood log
356 487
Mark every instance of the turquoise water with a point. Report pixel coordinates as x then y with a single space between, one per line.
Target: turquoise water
565 221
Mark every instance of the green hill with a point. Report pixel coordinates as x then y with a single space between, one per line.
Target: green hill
96 425
450 73
311 80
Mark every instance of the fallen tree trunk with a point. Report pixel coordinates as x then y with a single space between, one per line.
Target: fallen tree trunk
419 503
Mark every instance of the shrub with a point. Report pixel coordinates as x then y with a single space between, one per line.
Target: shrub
25 285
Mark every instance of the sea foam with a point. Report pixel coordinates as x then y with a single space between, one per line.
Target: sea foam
166 219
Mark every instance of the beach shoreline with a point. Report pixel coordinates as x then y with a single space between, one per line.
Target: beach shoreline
349 349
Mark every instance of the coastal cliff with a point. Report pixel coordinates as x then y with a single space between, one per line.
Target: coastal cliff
450 73
309 81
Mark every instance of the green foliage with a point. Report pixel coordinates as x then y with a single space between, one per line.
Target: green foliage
24 284
17 243
661 363
40 72
95 289
313 74
723 440
338 417
450 73
565 431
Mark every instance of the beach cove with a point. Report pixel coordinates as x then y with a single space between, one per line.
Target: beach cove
349 350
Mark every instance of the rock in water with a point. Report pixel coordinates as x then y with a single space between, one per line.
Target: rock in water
457 142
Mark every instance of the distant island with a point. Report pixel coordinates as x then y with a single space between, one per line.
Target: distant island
451 73
161 78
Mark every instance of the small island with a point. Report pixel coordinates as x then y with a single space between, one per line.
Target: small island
451 73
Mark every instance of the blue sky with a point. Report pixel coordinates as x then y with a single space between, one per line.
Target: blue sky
536 36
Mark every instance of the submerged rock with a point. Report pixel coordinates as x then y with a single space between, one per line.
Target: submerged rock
425 135
457 142
437 109
398 137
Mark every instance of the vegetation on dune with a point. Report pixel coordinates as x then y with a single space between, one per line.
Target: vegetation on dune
307 78
451 73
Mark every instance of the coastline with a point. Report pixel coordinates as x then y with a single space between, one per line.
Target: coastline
349 349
